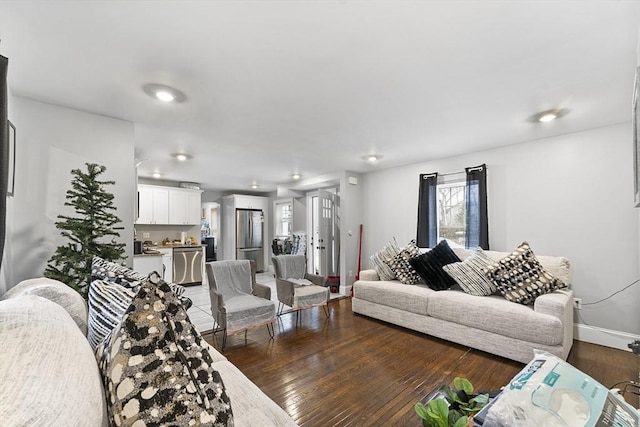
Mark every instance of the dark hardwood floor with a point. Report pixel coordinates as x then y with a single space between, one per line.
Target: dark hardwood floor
350 370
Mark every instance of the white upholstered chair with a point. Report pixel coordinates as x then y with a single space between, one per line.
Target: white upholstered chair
297 288
237 302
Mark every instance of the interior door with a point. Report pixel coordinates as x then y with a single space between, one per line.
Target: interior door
324 233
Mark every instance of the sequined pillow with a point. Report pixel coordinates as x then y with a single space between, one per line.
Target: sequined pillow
401 266
156 369
521 278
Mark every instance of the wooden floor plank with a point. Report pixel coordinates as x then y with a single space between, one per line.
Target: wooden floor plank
351 370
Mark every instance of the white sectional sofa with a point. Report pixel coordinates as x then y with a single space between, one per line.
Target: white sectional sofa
49 375
487 323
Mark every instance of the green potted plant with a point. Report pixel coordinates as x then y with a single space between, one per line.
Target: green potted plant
452 406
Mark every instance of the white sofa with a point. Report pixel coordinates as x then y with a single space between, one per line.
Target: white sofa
487 323
49 375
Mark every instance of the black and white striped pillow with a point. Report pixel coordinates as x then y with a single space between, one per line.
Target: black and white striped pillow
469 274
113 272
380 258
107 302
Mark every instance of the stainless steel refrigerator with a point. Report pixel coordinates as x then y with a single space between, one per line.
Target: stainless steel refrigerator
250 236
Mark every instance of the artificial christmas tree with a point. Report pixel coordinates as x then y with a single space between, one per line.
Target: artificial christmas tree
88 231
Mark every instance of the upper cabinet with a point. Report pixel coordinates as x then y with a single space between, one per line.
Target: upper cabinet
153 205
167 205
184 207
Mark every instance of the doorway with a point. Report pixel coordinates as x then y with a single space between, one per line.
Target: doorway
324 230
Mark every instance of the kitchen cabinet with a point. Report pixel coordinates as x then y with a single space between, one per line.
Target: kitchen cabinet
146 264
167 205
184 207
167 264
153 205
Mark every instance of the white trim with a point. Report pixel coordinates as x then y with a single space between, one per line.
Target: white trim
602 336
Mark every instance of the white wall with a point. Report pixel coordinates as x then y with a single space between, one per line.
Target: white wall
52 140
571 196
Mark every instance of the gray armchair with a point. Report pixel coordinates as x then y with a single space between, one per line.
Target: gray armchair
238 303
297 288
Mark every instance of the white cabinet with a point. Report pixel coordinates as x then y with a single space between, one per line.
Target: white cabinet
153 205
249 202
184 207
167 264
146 264
166 205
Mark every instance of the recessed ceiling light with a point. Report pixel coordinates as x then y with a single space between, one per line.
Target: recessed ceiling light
182 157
372 158
157 175
254 186
548 115
164 93
296 176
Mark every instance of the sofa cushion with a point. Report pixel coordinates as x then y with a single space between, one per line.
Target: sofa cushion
469 274
391 294
387 252
429 266
496 314
48 374
156 367
401 264
57 292
521 278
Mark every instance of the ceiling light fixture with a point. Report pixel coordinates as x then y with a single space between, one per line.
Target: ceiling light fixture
548 115
296 176
372 158
164 93
182 157
254 186
157 175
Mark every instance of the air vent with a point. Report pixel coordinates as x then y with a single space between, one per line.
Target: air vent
190 185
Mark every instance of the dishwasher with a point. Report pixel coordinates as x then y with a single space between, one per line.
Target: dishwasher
187 266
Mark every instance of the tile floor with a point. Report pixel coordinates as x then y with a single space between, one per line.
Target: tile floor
200 311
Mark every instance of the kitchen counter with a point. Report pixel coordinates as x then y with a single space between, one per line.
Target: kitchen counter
178 246
146 255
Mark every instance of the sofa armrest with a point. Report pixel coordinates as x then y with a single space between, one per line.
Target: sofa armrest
262 291
316 280
369 275
555 304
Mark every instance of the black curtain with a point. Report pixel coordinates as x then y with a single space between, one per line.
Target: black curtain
477 228
427 211
4 152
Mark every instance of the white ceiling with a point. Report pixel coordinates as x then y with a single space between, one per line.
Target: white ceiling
275 87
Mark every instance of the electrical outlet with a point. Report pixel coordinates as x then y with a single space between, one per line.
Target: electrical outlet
577 303
145 235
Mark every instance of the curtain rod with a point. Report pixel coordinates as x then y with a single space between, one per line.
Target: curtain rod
429 175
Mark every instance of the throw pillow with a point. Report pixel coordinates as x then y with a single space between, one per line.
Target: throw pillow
379 259
401 267
108 302
156 368
113 272
429 266
469 274
521 278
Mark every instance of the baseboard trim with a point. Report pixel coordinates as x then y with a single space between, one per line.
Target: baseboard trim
602 336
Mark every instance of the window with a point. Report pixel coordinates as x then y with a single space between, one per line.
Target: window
453 208
451 212
284 218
